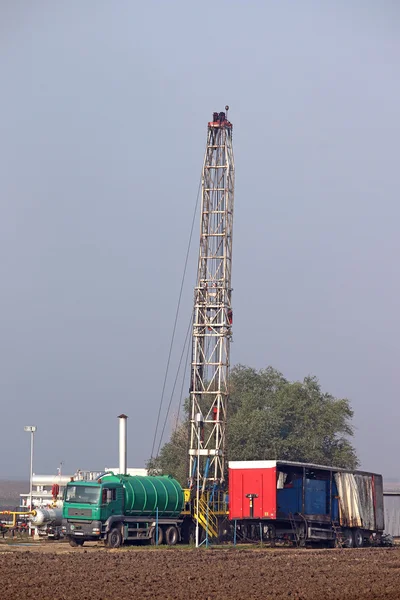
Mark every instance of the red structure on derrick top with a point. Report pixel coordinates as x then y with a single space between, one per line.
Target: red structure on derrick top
220 119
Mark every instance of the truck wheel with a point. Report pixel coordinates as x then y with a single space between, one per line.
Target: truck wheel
113 539
160 536
358 538
172 536
75 542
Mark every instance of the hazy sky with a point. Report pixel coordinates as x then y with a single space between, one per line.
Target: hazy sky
103 114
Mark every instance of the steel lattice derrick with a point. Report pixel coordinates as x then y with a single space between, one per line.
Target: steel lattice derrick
212 316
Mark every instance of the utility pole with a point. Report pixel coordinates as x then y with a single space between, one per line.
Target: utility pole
212 316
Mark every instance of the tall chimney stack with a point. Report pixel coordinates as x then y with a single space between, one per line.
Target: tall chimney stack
122 444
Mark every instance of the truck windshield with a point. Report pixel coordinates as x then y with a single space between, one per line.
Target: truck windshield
82 494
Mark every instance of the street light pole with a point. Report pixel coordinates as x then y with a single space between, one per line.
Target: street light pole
31 429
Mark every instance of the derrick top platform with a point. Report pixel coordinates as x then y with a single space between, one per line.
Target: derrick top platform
220 120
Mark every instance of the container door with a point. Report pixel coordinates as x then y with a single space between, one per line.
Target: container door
378 500
258 482
289 497
316 501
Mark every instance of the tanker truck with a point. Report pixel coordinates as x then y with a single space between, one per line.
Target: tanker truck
123 508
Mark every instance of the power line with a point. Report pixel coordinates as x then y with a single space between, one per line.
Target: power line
175 382
183 383
176 319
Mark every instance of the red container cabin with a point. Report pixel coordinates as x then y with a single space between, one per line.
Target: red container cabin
256 477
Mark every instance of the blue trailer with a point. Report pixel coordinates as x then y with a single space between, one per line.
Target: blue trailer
306 502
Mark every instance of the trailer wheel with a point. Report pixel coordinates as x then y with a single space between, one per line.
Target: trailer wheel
153 540
113 539
301 534
75 542
172 536
270 535
348 538
358 538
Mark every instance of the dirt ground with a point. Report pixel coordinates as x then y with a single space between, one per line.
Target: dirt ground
54 570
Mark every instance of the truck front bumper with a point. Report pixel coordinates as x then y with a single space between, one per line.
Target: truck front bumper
91 529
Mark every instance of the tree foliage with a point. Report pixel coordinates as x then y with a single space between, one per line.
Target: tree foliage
271 418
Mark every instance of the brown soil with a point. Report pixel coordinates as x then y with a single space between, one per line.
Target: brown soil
49 571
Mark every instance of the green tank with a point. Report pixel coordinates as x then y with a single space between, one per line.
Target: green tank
144 494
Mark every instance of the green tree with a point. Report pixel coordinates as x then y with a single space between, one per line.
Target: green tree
270 417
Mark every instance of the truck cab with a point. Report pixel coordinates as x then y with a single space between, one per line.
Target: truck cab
88 508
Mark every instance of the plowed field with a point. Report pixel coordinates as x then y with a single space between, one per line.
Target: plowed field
47 572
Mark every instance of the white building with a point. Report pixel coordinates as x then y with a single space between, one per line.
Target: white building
391 500
42 485
142 472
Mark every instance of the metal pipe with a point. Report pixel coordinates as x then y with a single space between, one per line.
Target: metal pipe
251 498
199 422
122 444
157 526
15 514
207 525
31 429
31 473
198 490
42 480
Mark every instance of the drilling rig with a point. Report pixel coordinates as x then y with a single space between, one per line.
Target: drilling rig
212 315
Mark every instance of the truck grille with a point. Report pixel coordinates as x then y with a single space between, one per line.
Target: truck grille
79 512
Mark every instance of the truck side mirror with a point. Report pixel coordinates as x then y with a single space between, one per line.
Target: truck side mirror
109 496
